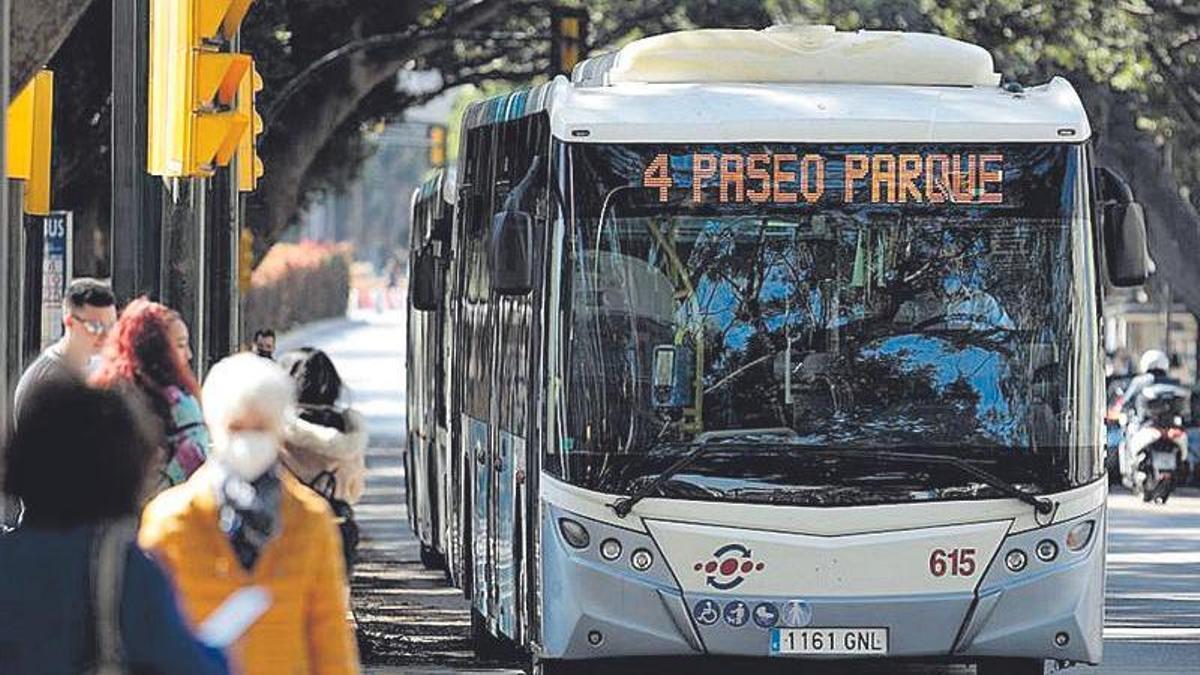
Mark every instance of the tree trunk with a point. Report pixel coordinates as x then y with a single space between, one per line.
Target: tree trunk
287 161
38 29
1173 224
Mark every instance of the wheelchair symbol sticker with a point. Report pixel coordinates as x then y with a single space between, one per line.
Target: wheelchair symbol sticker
737 614
707 612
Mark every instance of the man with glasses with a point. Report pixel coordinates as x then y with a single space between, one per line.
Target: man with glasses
89 311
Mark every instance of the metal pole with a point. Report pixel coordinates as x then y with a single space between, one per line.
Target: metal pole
14 273
5 253
134 232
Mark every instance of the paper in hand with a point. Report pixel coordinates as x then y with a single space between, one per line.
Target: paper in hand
235 616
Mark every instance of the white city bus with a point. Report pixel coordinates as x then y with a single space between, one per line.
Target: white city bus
781 344
426 456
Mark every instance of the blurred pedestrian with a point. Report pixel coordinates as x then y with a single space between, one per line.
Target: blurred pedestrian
323 437
89 312
325 443
140 354
264 343
76 594
242 520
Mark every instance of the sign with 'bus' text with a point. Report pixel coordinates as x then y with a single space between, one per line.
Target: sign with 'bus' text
56 269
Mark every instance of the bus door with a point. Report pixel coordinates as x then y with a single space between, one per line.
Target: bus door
521 141
473 365
508 461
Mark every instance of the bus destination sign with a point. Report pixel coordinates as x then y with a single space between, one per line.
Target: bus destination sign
851 178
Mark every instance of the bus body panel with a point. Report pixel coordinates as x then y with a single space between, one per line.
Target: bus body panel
822 521
475 433
1017 613
742 561
637 614
506 506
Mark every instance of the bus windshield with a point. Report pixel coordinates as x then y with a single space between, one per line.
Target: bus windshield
774 298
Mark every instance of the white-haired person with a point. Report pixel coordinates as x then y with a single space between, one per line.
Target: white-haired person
241 521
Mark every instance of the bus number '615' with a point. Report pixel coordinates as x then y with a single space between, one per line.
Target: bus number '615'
958 562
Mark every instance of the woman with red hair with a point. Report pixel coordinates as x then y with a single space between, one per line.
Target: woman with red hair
140 355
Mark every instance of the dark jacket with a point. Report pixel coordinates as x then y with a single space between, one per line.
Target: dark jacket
46 625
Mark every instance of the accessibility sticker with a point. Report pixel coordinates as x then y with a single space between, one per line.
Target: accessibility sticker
737 614
707 612
766 614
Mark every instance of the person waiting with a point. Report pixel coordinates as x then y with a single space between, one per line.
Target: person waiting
241 521
76 593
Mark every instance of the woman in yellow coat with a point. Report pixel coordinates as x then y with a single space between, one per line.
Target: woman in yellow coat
242 521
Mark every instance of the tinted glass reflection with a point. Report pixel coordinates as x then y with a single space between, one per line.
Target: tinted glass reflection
926 327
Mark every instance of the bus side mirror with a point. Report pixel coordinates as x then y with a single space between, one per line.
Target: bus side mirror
1125 244
426 281
1124 229
512 253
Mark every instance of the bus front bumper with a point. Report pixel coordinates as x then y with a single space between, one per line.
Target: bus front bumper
594 607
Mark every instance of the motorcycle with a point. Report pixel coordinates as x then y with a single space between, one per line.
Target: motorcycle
1154 455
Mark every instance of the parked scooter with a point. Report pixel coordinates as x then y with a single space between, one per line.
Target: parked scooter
1154 455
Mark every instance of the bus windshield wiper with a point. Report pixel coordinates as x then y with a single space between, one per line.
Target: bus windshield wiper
624 505
1041 505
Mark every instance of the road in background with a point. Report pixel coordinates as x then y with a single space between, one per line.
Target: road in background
411 621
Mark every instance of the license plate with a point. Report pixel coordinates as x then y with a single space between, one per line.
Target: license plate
830 641
1163 461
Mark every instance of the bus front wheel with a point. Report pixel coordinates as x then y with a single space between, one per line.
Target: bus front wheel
1002 666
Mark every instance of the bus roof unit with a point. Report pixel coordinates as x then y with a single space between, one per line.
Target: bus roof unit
807 84
794 54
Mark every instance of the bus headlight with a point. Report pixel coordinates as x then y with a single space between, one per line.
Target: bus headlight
575 534
1046 550
610 549
1015 560
1080 535
641 560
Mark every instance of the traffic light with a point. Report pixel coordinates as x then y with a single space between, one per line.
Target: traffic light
193 123
30 127
437 145
249 165
245 259
568 39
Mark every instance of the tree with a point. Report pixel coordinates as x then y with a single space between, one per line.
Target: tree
317 134
38 29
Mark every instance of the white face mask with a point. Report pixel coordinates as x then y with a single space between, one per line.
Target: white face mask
248 454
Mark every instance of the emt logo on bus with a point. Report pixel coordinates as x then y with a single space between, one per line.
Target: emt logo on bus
729 567
790 178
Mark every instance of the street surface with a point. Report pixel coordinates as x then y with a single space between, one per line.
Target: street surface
410 621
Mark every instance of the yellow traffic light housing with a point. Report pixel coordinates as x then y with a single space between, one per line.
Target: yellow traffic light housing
437 145
568 38
192 122
30 131
249 165
245 259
